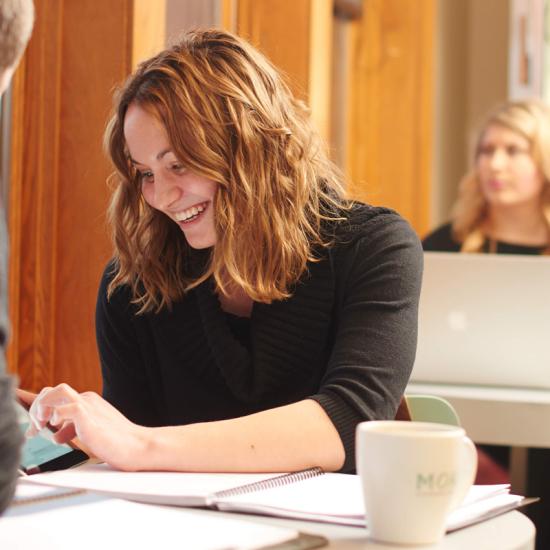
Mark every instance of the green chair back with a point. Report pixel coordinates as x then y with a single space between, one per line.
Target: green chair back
429 408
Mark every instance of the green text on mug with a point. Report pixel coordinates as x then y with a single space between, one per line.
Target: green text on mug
435 483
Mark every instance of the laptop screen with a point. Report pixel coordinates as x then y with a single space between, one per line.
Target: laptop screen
484 319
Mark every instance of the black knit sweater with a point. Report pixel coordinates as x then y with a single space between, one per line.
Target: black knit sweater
441 240
346 338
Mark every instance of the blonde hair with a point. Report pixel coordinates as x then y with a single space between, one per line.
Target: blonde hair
229 117
530 119
16 21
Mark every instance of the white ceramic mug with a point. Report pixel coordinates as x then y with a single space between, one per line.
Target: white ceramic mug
413 475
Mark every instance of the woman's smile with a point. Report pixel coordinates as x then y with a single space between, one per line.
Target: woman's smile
192 214
166 184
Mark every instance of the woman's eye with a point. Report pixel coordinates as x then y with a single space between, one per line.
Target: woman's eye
513 150
177 167
486 150
146 176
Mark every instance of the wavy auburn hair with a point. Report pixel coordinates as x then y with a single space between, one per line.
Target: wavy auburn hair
530 119
229 117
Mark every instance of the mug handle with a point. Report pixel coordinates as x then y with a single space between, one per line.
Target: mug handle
466 475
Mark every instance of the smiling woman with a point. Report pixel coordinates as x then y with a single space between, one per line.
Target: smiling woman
251 316
185 197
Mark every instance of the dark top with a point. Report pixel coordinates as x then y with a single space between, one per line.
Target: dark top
346 338
3 287
441 240
10 435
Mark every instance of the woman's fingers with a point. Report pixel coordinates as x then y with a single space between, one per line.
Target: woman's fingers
66 433
50 406
102 429
31 431
61 394
47 401
66 413
25 396
38 414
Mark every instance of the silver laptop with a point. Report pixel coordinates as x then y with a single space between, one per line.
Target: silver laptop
485 320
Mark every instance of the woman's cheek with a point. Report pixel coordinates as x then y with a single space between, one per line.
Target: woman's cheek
148 194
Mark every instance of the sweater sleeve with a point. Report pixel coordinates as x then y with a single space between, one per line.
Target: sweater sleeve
377 318
125 383
10 435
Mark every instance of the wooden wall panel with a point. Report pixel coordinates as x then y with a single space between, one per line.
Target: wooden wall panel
389 138
33 202
148 29
281 29
87 79
58 192
320 86
228 14
296 35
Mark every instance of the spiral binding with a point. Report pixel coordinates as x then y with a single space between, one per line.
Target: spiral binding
277 481
21 501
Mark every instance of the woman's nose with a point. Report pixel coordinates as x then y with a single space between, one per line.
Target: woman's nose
499 158
167 193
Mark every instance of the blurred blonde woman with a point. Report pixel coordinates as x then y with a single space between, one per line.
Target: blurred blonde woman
504 201
503 207
252 316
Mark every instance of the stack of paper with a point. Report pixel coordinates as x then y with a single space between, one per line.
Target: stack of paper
90 521
311 495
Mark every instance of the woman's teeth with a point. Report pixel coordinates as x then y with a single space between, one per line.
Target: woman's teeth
190 213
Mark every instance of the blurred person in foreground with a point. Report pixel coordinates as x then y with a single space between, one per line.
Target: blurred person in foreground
16 21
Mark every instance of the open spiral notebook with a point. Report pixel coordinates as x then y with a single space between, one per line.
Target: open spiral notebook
53 518
311 494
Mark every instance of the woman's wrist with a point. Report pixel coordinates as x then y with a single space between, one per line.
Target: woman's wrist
139 454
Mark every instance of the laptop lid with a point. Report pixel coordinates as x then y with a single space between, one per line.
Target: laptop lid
484 319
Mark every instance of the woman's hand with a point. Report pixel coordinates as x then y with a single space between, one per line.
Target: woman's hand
98 425
25 396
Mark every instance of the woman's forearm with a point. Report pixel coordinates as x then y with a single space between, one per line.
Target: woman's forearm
288 438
